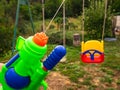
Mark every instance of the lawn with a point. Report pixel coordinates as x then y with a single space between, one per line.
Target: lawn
103 76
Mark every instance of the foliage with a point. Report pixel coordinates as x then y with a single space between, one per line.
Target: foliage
7 20
36 11
93 21
71 26
58 21
94 18
51 7
5 39
56 37
24 14
74 7
115 5
6 27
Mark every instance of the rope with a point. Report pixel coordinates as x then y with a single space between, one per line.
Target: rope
104 19
55 15
83 17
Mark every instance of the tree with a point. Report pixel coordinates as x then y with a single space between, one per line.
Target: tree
74 7
115 7
58 21
51 7
5 28
94 21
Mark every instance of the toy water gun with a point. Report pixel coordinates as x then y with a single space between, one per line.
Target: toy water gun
25 70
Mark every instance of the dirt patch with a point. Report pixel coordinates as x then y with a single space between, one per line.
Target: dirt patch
94 79
56 81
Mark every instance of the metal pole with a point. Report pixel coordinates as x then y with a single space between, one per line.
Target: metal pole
15 27
31 20
64 41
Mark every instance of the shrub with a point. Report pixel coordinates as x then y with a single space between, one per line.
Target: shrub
5 39
57 38
94 18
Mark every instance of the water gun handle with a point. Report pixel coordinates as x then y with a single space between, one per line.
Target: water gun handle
44 84
55 56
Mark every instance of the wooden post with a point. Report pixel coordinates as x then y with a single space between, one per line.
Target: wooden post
76 39
64 41
43 15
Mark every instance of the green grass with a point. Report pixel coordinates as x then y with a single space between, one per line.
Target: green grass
110 88
118 82
87 81
107 79
112 55
108 71
74 68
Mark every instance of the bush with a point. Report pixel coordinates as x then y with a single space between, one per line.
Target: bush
5 39
94 18
57 38
52 26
